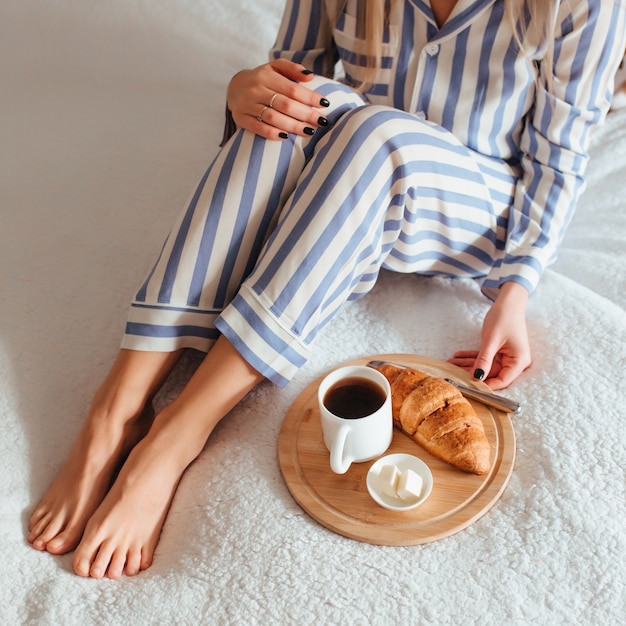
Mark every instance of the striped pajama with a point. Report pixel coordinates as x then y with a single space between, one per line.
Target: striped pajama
470 77
278 235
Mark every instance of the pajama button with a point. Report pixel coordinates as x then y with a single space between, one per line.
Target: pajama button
432 49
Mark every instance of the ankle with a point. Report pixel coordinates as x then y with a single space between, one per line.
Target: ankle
118 406
180 437
132 383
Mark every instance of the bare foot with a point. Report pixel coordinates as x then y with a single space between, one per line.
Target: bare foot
58 522
120 416
121 536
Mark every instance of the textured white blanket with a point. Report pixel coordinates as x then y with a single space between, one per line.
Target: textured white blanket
109 113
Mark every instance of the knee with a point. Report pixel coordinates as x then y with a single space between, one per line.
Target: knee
341 97
377 122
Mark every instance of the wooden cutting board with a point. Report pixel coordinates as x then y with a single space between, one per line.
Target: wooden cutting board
342 502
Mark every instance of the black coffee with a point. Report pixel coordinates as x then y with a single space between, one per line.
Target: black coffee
355 397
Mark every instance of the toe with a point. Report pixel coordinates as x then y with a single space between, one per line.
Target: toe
133 563
146 559
82 565
36 525
116 566
101 562
63 542
44 531
84 558
36 516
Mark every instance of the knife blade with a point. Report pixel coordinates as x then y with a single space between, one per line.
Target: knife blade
485 397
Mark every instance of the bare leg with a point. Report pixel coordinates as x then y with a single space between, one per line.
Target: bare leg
120 415
123 532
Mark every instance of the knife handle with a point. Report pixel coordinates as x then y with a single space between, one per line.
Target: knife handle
491 399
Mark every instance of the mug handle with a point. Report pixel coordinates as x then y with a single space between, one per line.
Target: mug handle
338 463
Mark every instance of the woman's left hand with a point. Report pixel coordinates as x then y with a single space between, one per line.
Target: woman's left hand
505 351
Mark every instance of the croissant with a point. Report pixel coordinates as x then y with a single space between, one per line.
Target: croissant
436 415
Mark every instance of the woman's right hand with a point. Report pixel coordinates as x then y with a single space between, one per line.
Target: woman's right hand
293 106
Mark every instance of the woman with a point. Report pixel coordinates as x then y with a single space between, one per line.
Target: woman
455 144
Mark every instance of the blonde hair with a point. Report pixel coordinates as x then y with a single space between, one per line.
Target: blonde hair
532 22
376 18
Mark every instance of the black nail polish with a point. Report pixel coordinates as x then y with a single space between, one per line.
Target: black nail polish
322 121
324 102
479 374
283 135
307 72
308 130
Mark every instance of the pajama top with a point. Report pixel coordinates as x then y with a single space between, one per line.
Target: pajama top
470 77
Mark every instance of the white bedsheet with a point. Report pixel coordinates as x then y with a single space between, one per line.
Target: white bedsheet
109 113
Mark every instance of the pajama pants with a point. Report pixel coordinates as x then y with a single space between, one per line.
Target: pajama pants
278 235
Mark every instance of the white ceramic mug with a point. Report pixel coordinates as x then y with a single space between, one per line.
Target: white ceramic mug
355 438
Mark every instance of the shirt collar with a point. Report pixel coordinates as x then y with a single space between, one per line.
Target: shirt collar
464 12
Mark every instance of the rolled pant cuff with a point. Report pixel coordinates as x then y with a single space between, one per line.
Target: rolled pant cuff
166 328
273 350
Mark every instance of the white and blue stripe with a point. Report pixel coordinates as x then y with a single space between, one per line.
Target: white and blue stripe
278 235
471 78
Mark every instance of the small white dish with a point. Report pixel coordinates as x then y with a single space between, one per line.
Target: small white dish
402 462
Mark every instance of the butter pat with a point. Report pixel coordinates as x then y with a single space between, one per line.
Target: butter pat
388 480
409 485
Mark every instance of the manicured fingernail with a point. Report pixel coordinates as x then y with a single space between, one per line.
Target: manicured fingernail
479 374
308 130
283 135
307 72
324 102
322 121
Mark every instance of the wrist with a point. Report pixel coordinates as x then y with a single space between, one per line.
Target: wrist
232 86
513 292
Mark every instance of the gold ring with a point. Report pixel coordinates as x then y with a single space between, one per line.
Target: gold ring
272 101
260 115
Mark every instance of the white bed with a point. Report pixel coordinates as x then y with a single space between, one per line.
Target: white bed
109 114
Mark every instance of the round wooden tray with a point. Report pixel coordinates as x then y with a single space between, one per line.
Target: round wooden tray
342 502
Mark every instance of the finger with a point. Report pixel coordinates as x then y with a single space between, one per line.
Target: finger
250 123
470 354
291 117
265 128
465 363
256 123
508 372
297 102
296 110
292 70
464 359
505 377
287 82
483 363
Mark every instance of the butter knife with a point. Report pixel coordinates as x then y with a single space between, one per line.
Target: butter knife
485 397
